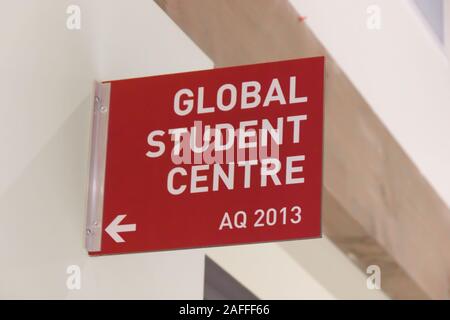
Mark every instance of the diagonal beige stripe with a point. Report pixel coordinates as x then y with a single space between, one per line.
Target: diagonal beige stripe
377 206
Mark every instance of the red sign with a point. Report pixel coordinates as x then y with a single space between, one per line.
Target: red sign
207 158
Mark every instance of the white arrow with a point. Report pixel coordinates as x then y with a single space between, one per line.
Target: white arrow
114 228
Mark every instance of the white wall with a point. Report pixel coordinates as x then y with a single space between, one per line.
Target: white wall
46 79
401 70
304 269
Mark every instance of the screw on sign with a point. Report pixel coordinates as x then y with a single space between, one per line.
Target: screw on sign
207 158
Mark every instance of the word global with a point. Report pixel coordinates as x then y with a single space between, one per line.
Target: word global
250 97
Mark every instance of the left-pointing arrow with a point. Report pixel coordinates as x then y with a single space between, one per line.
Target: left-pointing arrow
115 227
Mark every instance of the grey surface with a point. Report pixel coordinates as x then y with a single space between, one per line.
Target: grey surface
433 12
220 285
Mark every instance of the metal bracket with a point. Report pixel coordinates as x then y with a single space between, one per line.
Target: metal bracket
97 166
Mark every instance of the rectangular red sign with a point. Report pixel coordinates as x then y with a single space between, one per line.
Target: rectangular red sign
207 158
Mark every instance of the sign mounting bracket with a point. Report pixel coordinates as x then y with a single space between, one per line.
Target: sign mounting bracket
97 166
